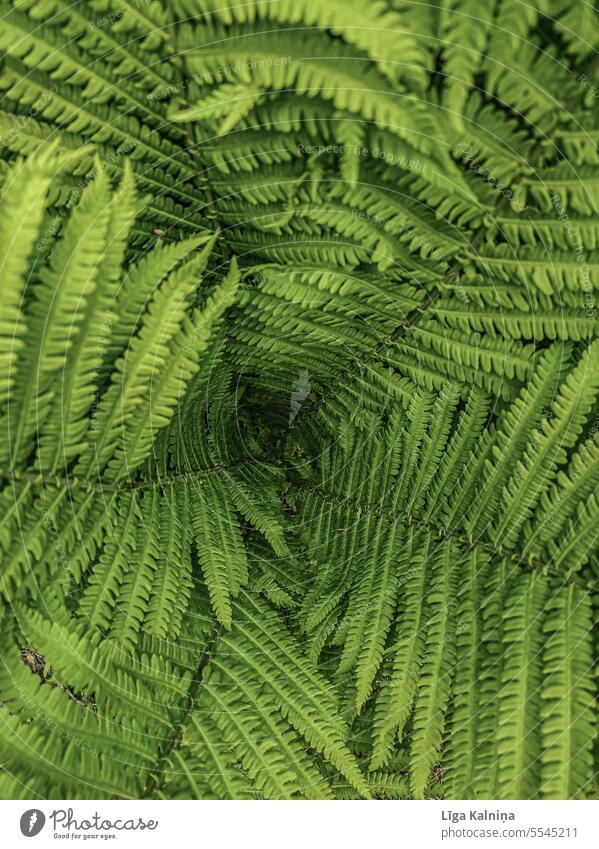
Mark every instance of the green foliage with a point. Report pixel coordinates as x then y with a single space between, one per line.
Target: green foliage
299 399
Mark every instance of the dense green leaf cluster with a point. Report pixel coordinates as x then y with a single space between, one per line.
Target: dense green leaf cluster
299 399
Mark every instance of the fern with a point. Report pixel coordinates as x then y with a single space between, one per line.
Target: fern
298 400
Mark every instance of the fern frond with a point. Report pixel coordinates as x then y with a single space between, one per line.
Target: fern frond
220 547
567 719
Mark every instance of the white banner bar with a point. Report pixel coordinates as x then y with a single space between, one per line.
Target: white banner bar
298 825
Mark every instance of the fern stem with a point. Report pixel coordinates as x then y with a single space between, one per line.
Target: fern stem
519 558
52 479
153 782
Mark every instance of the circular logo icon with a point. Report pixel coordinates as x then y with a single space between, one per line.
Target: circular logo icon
32 822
